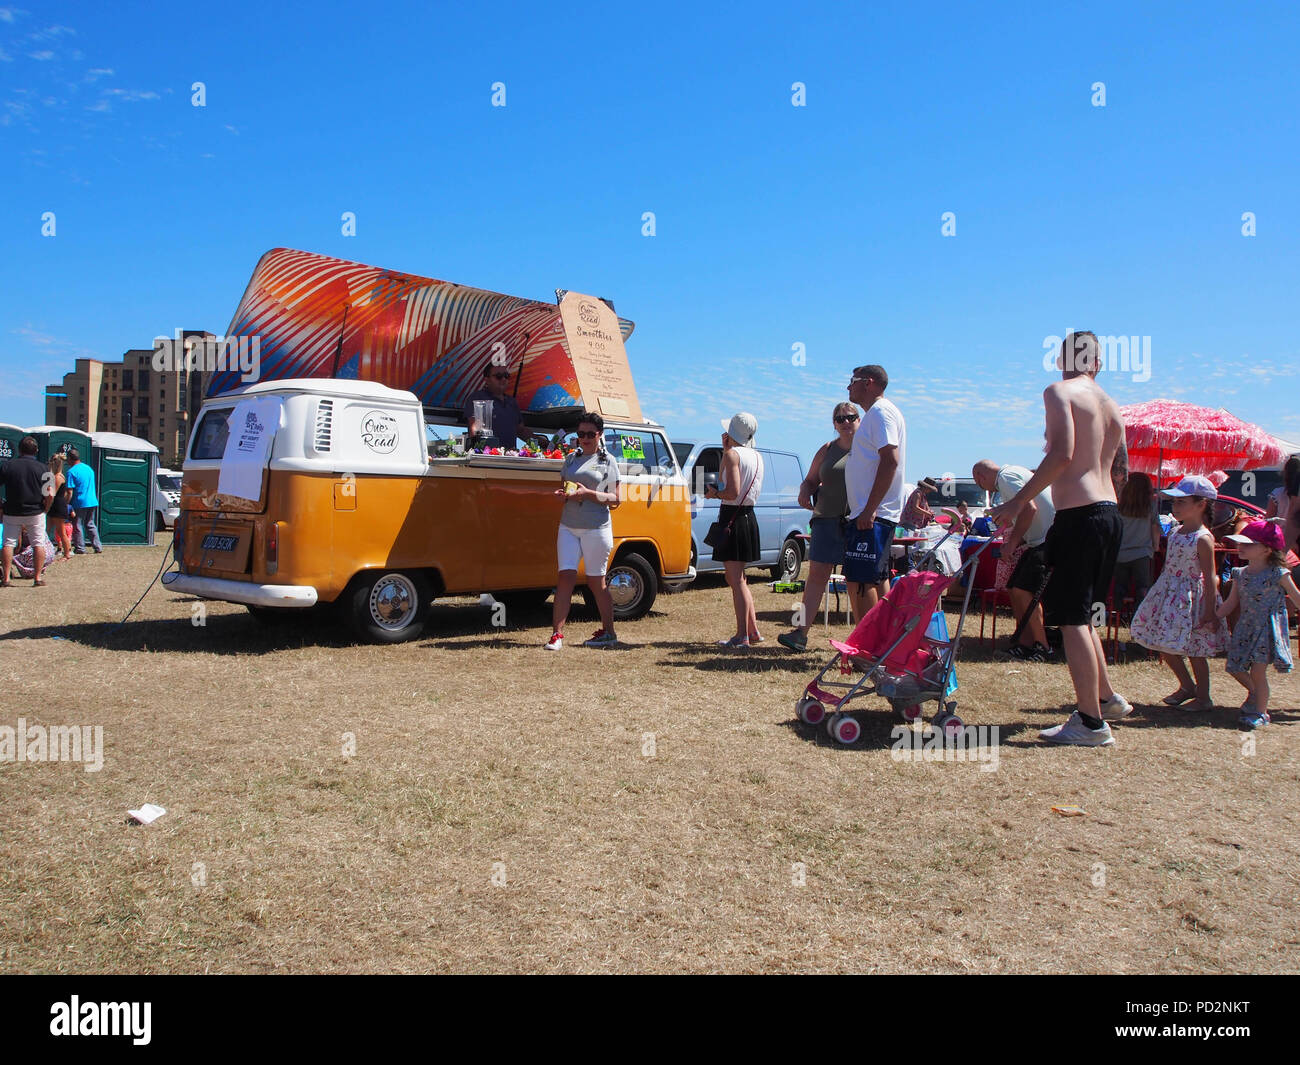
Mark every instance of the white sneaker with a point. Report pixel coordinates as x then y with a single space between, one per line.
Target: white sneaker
555 642
1075 732
1116 708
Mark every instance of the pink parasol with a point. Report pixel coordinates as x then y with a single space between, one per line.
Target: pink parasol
1173 439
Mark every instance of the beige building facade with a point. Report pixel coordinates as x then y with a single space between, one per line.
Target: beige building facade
131 397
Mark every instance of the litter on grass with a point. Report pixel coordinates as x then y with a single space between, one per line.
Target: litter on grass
147 814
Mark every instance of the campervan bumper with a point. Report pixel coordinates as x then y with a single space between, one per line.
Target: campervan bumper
675 582
284 595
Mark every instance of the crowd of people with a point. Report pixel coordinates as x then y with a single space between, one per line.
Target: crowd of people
48 513
1077 531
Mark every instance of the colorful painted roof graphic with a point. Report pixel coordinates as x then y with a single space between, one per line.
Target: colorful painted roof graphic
315 316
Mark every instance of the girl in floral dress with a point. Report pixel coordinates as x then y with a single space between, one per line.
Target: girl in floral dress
1178 616
1262 635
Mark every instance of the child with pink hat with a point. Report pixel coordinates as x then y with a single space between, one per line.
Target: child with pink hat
1262 636
1178 616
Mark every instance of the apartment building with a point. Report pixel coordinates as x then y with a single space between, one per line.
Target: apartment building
131 397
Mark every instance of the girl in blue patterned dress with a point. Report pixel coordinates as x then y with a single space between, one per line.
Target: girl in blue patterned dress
1262 636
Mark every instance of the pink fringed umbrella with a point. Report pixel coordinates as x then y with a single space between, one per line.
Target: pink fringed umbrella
1173 439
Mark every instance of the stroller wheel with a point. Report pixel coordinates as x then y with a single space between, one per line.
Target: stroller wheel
810 711
845 730
951 724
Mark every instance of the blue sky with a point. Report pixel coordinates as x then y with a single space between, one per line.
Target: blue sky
776 225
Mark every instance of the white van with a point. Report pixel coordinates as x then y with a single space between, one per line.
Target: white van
782 523
166 499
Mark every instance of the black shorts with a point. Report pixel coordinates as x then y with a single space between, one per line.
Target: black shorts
1030 569
1082 545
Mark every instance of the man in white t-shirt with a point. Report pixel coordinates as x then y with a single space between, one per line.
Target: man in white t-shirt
873 480
1022 569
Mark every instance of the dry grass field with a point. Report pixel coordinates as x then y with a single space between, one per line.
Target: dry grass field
504 809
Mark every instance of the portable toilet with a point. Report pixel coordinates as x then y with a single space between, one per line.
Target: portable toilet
9 437
54 438
126 470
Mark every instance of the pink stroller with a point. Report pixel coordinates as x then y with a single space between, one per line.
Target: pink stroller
901 651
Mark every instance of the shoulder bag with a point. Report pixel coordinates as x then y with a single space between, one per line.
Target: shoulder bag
719 535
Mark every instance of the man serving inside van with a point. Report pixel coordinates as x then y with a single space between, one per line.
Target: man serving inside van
505 411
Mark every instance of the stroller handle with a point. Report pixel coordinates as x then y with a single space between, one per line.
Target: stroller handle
929 555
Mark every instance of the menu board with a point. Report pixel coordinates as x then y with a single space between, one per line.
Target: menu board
599 358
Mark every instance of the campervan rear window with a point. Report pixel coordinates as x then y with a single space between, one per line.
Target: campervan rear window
211 433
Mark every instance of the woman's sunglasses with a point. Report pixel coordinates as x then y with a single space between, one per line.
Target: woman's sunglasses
588 436
846 418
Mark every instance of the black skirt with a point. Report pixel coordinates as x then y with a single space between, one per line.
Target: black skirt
743 544
59 508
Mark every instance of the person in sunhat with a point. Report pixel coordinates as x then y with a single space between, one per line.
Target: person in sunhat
1178 616
740 479
1262 636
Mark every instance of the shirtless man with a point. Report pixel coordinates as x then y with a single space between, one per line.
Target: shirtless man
1086 458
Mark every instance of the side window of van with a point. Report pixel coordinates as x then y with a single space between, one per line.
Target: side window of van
211 433
640 452
782 476
659 456
614 445
709 461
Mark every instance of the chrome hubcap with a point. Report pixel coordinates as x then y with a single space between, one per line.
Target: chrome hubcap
624 587
392 602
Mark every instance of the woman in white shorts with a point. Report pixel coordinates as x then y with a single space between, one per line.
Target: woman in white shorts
586 530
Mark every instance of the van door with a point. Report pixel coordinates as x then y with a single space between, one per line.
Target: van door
218 531
767 510
704 511
209 446
125 514
786 472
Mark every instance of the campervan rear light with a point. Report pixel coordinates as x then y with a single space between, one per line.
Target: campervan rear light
273 547
178 540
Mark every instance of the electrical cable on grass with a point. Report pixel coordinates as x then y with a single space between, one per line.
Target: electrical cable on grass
166 556
156 576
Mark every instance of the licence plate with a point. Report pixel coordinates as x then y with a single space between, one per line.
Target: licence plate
216 542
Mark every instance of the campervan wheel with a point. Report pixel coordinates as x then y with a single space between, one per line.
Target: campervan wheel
389 606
